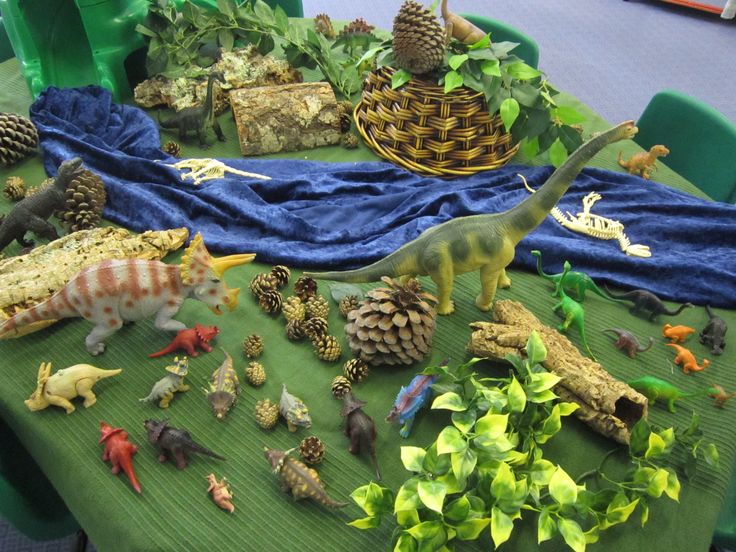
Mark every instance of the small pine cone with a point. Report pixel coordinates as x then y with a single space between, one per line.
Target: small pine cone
355 370
345 112
348 303
255 374
281 274
341 386
260 283
305 287
350 141
327 348
15 188
315 328
41 187
267 414
253 346
312 450
18 138
317 307
270 301
293 309
172 148
295 330
323 25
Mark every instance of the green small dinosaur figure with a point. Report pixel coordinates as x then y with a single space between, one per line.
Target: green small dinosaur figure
654 388
576 282
572 311
485 242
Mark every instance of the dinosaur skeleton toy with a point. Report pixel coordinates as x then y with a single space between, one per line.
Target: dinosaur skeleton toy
208 169
595 225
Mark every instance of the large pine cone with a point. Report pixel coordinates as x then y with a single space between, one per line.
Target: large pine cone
84 201
18 138
393 325
418 39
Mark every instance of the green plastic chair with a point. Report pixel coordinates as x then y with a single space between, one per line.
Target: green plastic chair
701 140
527 50
6 49
725 533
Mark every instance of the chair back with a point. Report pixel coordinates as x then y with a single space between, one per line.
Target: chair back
6 50
527 50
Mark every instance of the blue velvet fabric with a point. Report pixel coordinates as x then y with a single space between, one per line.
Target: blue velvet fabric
341 215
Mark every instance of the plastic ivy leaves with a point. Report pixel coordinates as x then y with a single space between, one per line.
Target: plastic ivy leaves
487 468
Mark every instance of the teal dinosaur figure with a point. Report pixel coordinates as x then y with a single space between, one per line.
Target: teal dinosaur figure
574 282
480 242
572 311
654 388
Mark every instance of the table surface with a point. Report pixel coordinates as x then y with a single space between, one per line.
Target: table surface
174 511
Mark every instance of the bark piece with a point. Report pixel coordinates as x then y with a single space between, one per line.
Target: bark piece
608 405
286 118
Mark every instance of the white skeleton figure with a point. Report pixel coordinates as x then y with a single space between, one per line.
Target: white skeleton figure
207 169
595 225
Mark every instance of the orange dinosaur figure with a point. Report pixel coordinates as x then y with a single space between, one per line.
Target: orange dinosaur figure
644 163
720 395
687 359
677 334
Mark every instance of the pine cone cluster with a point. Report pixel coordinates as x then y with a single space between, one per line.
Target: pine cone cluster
312 450
348 303
84 201
323 25
18 138
418 39
255 374
355 370
15 188
253 346
172 148
340 387
393 325
267 414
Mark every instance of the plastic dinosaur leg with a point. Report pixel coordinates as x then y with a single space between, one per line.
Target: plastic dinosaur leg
488 282
406 429
566 323
84 389
503 280
671 405
202 133
24 242
218 130
443 278
182 388
42 227
61 402
164 322
95 340
165 400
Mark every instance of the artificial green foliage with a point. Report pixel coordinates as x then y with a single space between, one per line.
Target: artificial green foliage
487 469
184 42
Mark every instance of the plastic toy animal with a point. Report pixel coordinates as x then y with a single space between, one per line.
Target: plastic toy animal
654 388
484 242
577 282
361 429
295 476
116 291
221 493
119 451
714 332
687 359
174 444
720 395
189 339
409 400
224 388
572 312
646 301
644 163
66 384
199 118
294 411
677 334
628 343
173 382
459 27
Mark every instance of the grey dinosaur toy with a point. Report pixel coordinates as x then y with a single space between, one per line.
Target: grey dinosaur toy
627 342
174 444
173 382
714 333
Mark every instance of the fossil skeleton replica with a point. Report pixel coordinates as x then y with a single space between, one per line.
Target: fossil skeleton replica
595 225
208 169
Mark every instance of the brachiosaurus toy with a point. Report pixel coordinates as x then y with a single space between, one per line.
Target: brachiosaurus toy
644 163
687 360
485 242
572 312
116 291
577 282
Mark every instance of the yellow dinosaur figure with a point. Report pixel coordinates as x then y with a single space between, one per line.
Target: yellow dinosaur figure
644 163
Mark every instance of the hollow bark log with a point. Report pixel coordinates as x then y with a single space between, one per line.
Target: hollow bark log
285 118
608 405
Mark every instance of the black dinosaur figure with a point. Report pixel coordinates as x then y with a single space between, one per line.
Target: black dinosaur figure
628 343
174 444
361 429
30 214
198 118
647 301
714 333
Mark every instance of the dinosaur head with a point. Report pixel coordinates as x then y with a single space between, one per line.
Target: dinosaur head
221 401
107 431
180 366
350 403
206 333
659 150
218 76
69 167
203 273
154 428
37 401
275 457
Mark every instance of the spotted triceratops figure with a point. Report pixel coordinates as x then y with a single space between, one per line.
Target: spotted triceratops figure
116 291
224 388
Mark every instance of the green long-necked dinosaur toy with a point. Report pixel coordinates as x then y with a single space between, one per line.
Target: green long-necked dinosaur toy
484 242
572 312
574 282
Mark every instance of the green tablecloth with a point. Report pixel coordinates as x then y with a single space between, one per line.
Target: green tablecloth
174 511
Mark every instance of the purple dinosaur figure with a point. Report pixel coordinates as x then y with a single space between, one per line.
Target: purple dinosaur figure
409 400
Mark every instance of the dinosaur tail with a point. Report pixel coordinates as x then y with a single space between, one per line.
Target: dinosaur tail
57 306
621 162
678 310
621 297
598 291
649 346
710 312
331 502
170 348
399 263
194 447
126 463
585 343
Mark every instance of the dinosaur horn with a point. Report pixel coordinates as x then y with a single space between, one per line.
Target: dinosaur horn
221 264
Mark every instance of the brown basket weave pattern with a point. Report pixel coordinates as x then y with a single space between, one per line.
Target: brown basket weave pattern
422 129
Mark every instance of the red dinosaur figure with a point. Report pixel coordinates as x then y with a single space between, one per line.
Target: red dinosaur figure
119 451
677 334
189 339
687 359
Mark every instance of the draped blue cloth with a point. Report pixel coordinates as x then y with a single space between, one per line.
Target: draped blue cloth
345 215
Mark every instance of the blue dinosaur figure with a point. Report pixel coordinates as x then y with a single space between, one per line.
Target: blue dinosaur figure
409 400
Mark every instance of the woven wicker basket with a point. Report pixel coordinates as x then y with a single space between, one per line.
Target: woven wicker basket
422 129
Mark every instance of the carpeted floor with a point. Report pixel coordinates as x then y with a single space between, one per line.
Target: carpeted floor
612 54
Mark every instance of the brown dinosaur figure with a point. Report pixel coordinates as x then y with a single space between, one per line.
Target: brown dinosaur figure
628 343
687 359
678 333
189 339
644 163
720 395
221 493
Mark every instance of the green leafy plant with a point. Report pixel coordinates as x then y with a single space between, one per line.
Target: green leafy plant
183 42
487 468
